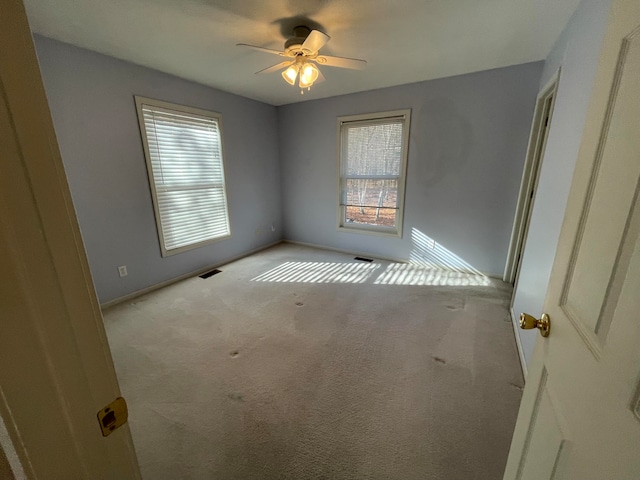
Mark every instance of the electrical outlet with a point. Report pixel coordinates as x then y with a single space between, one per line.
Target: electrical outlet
273 227
122 271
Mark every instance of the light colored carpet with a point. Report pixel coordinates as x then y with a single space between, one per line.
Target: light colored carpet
297 363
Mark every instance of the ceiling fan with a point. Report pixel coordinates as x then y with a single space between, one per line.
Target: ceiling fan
302 51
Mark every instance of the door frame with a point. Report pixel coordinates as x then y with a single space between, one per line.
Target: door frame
56 369
542 117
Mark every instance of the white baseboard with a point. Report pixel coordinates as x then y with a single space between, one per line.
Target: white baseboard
348 252
200 271
523 362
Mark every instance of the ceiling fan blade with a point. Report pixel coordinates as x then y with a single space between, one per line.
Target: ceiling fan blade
314 42
261 49
341 62
275 68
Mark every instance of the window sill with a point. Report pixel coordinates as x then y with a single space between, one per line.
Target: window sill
376 231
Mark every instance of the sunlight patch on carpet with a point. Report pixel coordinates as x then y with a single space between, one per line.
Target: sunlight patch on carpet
410 274
319 272
393 274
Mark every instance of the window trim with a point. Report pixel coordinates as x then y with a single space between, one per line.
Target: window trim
365 118
174 107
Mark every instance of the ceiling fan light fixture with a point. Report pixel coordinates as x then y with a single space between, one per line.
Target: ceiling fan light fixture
308 74
290 74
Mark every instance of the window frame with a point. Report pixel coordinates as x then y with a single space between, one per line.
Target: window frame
368 119
174 107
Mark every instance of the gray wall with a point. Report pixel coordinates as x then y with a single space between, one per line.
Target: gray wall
576 51
467 147
91 101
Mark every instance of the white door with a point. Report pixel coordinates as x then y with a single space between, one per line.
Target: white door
580 413
56 371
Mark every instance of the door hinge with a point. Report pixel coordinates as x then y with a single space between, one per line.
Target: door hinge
113 416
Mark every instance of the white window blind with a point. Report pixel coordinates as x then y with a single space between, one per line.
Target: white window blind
373 151
183 148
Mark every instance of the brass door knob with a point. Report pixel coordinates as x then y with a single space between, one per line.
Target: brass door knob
527 322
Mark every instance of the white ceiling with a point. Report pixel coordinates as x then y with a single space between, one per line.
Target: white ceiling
403 41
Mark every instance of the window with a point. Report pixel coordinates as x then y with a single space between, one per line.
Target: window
183 148
373 165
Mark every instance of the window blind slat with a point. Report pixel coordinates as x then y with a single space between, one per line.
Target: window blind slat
367 206
187 186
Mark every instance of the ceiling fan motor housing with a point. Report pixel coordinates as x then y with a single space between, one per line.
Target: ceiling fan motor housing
293 46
